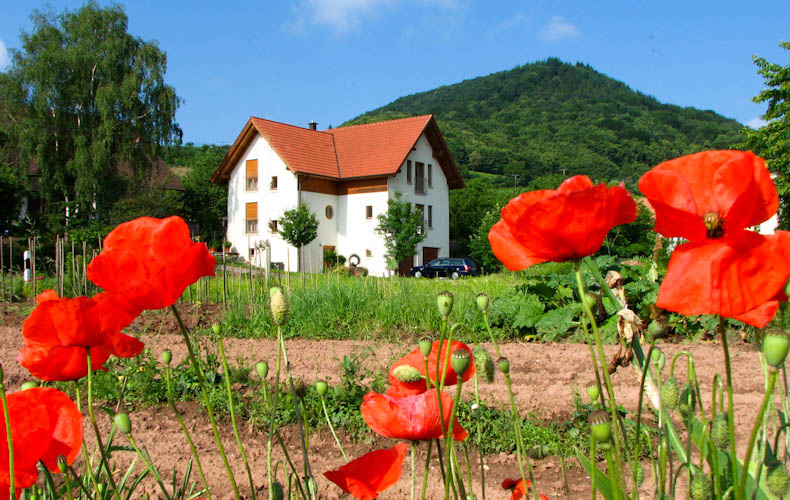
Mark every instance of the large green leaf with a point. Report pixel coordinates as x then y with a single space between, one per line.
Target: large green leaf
602 481
530 312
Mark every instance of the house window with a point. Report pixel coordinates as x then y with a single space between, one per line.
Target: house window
329 212
273 185
408 171
251 217
369 212
273 226
421 209
430 175
252 175
368 253
430 215
419 178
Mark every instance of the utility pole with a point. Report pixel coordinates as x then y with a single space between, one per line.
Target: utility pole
515 180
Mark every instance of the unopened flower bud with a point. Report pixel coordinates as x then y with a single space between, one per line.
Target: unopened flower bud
167 356
655 330
321 387
776 480
593 392
503 364
216 328
29 385
460 361
62 464
484 364
299 387
600 426
262 368
687 403
425 346
278 305
670 393
482 300
701 487
776 343
407 373
658 359
445 303
720 431
123 423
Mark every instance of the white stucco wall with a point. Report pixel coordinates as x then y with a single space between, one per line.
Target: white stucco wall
357 234
327 228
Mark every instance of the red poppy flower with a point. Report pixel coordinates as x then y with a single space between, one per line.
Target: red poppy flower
561 224
59 332
45 424
151 261
519 490
370 474
415 360
709 198
415 418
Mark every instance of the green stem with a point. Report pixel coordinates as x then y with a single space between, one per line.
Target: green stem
645 369
226 373
491 336
332 429
67 482
204 391
739 495
272 417
448 435
766 399
413 447
9 441
85 453
172 402
150 466
102 455
520 451
594 473
300 423
427 469
479 448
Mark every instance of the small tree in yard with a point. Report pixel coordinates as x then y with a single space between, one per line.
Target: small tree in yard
299 226
402 228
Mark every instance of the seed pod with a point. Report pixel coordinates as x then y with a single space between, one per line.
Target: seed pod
670 393
167 356
720 431
687 402
62 464
460 361
321 387
484 364
655 330
701 487
216 328
593 392
482 300
444 302
278 305
425 345
407 373
29 385
503 364
776 480
600 426
262 368
658 359
640 474
123 423
776 343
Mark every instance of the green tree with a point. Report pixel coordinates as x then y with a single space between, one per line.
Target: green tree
299 226
11 194
772 141
479 246
402 228
85 100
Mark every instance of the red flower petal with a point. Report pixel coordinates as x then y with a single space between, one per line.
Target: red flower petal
517 485
150 261
415 360
568 223
734 184
65 427
414 418
733 276
370 474
30 433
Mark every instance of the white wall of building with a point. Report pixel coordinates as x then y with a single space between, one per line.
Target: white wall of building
357 234
327 228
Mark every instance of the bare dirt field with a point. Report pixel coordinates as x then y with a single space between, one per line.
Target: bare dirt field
544 377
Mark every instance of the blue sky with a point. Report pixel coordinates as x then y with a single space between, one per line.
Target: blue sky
330 60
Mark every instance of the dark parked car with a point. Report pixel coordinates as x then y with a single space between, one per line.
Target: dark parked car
450 268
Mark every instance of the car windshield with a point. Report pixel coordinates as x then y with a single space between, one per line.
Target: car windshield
434 262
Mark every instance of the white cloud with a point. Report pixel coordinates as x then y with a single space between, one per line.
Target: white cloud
510 23
558 28
5 59
756 123
339 15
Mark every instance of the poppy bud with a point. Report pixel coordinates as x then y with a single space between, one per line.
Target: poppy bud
701 488
312 486
658 359
670 393
278 305
123 423
425 346
776 343
407 373
600 426
28 385
484 364
262 367
720 431
167 356
299 388
445 303
460 361
687 403
655 330
277 491
482 301
62 465
640 474
777 481
593 392
321 387
216 328
589 301
503 364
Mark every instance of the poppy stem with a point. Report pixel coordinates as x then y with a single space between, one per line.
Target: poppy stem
171 401
149 465
85 453
520 451
413 447
12 486
102 455
427 469
202 382
226 373
491 336
448 435
332 429
479 443
272 421
772 372
739 494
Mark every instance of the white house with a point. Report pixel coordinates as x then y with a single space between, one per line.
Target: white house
345 175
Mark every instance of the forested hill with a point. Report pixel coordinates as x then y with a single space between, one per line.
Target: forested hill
551 117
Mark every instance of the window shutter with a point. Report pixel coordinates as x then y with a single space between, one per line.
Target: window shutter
252 210
252 168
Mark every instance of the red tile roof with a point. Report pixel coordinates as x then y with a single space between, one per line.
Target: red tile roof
358 151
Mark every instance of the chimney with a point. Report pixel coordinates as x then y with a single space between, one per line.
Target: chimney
312 125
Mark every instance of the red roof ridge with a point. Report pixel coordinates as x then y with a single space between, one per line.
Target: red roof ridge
427 117
287 125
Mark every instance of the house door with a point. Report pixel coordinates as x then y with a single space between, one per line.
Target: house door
428 254
405 265
329 256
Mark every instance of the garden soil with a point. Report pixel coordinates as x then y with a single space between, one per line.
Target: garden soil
545 378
